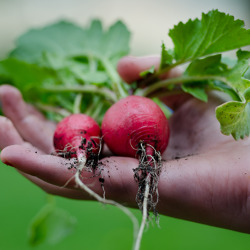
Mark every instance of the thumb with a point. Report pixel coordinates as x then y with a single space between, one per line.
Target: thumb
130 67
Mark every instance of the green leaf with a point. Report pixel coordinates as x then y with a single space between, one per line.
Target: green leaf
147 72
230 81
22 74
94 39
247 74
95 77
166 57
196 89
220 86
63 39
234 118
247 95
115 42
64 46
243 54
51 225
210 65
215 32
235 79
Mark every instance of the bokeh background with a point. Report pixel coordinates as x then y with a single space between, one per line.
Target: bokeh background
101 227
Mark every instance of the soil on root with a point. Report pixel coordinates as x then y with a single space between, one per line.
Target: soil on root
92 158
149 169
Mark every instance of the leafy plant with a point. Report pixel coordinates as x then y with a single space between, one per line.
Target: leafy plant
73 69
63 69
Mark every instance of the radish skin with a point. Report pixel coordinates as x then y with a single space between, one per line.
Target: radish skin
77 136
132 120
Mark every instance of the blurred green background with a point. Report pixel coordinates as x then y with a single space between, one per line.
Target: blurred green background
98 227
101 227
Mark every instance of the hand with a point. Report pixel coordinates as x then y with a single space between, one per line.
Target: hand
205 178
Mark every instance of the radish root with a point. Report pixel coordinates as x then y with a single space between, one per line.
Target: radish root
84 164
105 201
147 176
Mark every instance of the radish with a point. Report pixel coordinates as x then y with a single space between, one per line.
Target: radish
134 120
135 126
78 136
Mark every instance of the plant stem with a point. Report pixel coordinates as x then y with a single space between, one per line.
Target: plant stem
178 81
155 77
92 106
108 94
77 104
115 78
60 111
96 113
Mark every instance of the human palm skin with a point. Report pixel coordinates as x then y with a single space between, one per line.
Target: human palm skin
205 175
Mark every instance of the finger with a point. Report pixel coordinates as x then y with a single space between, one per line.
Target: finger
8 134
116 171
33 111
130 67
193 188
30 126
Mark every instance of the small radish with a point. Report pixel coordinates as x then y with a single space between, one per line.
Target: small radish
136 127
78 136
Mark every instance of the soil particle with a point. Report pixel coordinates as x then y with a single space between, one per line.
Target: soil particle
101 180
94 143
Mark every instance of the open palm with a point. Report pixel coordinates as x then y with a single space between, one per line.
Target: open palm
205 175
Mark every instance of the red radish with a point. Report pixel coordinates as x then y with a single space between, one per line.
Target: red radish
77 135
136 127
133 120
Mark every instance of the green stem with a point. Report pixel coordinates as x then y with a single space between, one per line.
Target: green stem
60 111
108 94
77 104
96 113
115 78
155 77
178 81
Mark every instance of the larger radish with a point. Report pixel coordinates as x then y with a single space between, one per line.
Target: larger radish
134 120
136 127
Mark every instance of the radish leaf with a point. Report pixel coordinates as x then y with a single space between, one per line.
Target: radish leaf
234 118
215 32
51 225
